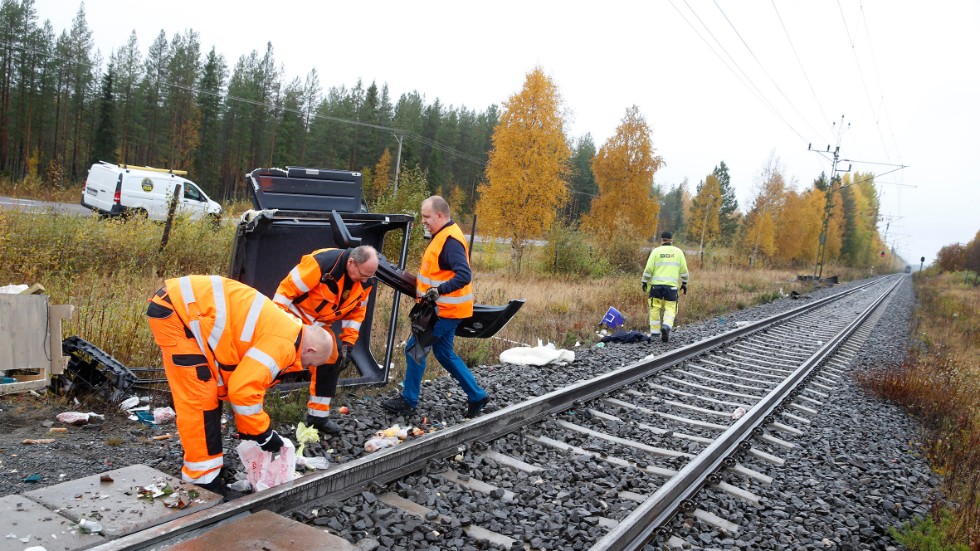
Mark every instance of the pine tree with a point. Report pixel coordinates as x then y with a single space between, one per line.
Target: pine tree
728 217
584 188
104 143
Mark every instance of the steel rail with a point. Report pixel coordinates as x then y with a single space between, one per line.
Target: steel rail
381 467
642 524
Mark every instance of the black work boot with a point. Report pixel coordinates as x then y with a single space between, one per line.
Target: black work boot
323 424
665 333
474 408
398 404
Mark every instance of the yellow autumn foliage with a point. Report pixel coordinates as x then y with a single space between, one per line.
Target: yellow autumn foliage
527 166
624 167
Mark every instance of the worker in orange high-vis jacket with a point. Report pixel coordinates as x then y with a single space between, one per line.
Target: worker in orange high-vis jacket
446 279
222 340
326 286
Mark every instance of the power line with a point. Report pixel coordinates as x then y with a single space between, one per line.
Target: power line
763 67
750 85
864 82
802 68
874 62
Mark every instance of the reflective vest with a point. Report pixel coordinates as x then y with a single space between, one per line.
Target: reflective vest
247 340
319 292
666 266
459 303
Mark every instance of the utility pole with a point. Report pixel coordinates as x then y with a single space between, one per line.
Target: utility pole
704 224
822 248
398 162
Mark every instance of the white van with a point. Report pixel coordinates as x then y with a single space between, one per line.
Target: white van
138 190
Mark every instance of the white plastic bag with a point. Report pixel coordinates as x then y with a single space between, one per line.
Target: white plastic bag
162 416
264 471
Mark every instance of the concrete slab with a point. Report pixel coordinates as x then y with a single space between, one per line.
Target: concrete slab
266 531
121 504
22 519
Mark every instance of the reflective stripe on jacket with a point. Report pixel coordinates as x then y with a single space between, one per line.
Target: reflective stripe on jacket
319 291
244 334
666 266
459 303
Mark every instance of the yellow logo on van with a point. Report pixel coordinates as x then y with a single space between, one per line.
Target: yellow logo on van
147 185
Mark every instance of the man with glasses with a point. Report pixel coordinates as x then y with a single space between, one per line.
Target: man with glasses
329 285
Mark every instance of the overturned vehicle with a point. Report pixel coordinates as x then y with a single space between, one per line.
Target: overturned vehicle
299 210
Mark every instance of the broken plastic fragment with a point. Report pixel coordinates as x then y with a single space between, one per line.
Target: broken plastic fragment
89 526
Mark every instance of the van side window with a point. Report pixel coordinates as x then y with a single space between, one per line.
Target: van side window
191 192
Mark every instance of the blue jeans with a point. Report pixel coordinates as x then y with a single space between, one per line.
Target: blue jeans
442 348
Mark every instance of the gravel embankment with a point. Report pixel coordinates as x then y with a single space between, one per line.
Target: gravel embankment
854 473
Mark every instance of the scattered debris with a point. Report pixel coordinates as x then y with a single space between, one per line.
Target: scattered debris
167 436
89 526
162 416
305 435
343 410
143 416
34 478
78 418
91 369
738 413
391 436
129 403
181 498
613 318
539 355
32 441
58 430
153 491
106 478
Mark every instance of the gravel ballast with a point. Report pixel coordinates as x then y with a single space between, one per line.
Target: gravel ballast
855 472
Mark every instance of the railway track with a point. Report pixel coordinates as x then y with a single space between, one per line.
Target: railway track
633 448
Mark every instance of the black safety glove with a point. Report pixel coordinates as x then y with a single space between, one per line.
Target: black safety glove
684 288
273 443
345 353
644 286
432 294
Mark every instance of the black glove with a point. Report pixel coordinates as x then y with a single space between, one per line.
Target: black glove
273 443
344 355
644 286
684 288
432 294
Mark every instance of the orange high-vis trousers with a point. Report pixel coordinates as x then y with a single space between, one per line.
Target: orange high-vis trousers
323 381
194 387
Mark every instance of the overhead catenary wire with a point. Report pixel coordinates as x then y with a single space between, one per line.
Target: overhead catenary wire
763 67
802 68
864 82
881 88
747 80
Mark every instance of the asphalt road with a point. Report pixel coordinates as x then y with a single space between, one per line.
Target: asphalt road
41 206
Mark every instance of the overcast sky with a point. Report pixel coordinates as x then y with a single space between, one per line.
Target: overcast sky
714 80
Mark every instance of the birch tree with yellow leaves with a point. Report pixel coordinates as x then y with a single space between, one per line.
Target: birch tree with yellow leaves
624 167
706 213
526 171
760 229
800 222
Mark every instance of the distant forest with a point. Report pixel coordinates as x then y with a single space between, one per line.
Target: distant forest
64 106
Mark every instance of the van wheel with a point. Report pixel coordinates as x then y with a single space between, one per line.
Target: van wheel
137 214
